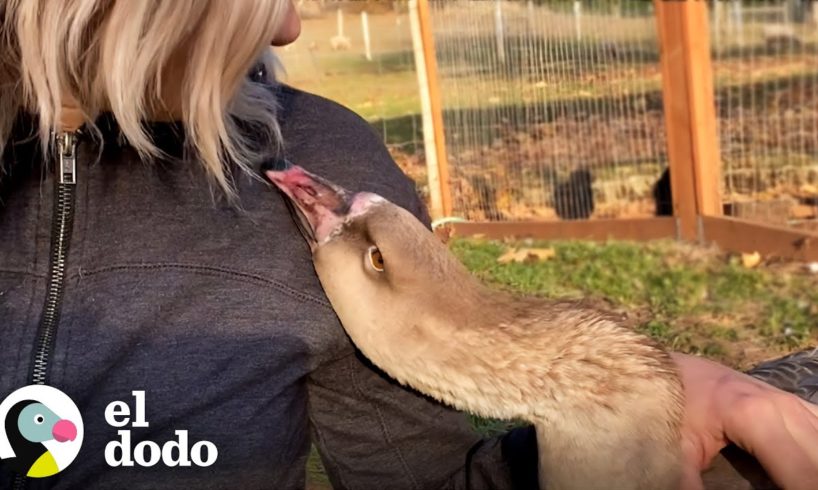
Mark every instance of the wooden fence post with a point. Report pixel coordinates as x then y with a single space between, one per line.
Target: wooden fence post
690 112
578 19
339 20
432 107
365 29
499 31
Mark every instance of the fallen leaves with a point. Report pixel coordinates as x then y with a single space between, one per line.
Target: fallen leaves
809 189
750 261
524 255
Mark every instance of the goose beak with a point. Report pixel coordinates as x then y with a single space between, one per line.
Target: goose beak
321 207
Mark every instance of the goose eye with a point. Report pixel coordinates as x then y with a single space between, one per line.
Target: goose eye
375 259
39 419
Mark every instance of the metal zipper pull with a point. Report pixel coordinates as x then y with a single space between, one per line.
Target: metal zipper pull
67 149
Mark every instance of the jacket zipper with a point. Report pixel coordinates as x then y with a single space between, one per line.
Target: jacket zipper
65 185
61 227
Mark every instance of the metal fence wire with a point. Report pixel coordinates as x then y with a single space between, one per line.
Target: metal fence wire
554 108
360 54
765 61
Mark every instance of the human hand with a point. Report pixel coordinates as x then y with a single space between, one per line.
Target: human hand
723 406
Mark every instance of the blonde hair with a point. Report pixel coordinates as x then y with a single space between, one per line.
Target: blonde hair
123 55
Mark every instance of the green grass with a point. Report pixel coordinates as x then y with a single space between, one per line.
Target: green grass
371 95
692 300
316 475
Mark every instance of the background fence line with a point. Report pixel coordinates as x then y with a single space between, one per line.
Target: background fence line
565 115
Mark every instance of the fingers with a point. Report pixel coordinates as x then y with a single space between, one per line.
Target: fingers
803 427
691 476
784 440
691 479
811 412
778 429
811 407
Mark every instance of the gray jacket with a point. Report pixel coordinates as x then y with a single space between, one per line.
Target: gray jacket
217 315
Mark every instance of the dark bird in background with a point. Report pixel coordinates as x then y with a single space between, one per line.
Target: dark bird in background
574 198
662 195
486 194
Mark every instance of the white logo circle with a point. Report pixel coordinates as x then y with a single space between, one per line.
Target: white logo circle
41 431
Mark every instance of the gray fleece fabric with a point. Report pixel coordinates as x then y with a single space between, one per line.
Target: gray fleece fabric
217 315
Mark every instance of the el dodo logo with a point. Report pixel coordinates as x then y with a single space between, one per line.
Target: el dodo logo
148 453
41 431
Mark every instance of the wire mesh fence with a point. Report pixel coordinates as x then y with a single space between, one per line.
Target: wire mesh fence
553 109
765 59
359 53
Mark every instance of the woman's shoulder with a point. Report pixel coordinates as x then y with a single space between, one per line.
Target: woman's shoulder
320 130
300 110
331 140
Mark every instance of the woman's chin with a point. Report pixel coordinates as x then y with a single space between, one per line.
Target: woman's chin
286 36
290 29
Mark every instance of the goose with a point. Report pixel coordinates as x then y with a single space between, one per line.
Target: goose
432 326
606 402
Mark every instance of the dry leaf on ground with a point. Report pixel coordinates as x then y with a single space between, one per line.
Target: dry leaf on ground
526 255
750 260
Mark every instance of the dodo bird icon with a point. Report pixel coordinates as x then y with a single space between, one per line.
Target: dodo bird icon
29 424
42 431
